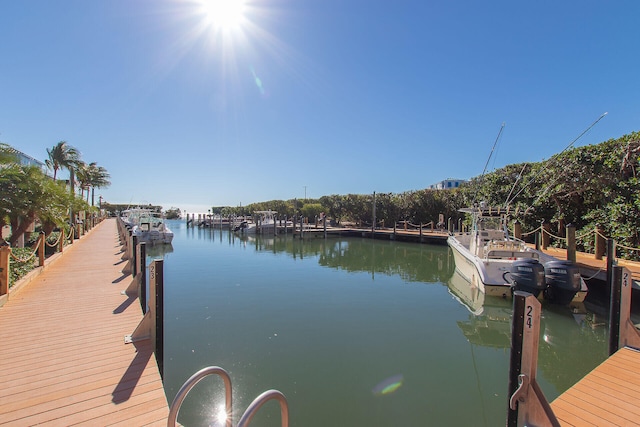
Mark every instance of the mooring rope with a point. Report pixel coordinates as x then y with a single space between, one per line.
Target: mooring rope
531 232
33 254
582 236
53 245
553 235
627 247
596 273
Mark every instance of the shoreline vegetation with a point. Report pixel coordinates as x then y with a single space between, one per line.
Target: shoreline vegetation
37 208
589 187
594 186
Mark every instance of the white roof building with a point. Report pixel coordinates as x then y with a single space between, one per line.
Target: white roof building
447 184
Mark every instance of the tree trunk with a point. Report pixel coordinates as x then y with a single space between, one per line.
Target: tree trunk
19 226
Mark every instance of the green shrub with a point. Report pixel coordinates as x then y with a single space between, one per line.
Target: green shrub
18 270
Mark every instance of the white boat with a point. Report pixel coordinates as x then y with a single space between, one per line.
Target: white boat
148 226
265 221
486 256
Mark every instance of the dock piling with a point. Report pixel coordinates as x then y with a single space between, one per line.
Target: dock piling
622 331
527 404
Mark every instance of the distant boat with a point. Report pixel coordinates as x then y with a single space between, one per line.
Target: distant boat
148 226
497 263
265 222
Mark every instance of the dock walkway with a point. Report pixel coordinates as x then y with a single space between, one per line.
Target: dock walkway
592 267
608 396
63 360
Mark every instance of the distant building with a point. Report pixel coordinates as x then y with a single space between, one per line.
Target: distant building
447 184
27 160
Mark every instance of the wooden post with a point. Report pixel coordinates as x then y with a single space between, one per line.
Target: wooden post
611 250
301 227
600 244
517 230
324 225
141 276
41 242
134 256
450 225
546 228
614 313
626 333
527 404
152 324
5 260
373 226
158 292
571 242
61 240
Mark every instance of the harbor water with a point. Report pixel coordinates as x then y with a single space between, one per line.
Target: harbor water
354 332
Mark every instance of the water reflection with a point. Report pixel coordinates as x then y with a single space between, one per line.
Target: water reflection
327 321
572 340
413 263
158 251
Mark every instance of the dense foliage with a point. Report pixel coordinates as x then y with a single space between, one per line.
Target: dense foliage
595 185
19 269
586 186
29 197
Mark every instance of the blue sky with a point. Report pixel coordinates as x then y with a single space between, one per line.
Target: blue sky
311 97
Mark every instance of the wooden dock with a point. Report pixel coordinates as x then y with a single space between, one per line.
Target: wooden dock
413 235
596 268
62 353
608 396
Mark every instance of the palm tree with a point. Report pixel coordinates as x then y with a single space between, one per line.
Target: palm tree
99 178
92 176
63 155
83 178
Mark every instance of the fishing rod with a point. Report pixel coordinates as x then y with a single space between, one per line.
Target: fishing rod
506 202
489 159
551 160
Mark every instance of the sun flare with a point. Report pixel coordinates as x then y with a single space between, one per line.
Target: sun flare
224 14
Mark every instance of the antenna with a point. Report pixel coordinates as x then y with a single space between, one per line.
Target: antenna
490 154
556 157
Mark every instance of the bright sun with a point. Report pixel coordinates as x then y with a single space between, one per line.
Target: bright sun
224 14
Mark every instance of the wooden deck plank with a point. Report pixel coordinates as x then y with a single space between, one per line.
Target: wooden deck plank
62 354
606 396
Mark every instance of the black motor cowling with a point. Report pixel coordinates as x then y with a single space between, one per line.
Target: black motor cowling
526 275
563 281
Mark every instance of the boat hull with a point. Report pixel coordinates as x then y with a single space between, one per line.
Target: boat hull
487 275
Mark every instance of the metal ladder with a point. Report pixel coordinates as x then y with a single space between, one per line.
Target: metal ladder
248 414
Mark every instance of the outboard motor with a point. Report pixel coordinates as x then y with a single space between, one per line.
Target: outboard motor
527 275
563 281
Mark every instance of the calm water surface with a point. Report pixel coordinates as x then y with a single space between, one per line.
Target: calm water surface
355 332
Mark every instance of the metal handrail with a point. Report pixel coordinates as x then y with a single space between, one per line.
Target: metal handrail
261 400
257 403
190 383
